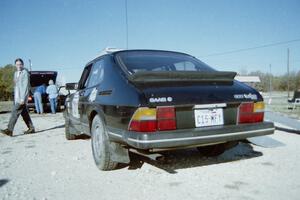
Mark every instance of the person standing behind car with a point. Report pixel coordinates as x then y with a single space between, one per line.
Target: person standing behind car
21 91
52 92
39 91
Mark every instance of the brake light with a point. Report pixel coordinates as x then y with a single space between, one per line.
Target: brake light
153 119
143 126
166 119
251 112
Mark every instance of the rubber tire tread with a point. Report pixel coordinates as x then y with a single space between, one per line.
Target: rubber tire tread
103 163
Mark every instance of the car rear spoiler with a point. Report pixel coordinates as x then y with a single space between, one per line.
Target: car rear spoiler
160 77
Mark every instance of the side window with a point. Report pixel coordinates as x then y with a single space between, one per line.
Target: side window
84 77
185 66
97 73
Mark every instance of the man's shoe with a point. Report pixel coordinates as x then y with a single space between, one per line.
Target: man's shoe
7 132
29 131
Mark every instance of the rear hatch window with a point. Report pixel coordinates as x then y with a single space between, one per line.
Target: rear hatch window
161 67
136 61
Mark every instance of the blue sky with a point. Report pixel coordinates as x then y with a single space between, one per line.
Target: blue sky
64 35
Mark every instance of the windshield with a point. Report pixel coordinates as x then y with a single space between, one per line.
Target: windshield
141 60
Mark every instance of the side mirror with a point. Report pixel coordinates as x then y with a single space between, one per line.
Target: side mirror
71 86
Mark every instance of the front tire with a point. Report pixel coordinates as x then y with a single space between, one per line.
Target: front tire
101 145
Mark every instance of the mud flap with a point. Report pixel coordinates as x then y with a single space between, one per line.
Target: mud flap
118 153
265 141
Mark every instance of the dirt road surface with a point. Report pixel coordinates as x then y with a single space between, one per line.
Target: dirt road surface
47 166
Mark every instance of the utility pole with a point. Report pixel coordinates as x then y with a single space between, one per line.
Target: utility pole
30 64
270 85
288 72
270 79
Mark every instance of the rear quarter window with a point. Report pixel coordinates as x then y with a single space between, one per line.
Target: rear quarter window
96 74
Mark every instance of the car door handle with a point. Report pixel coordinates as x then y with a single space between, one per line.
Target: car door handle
105 92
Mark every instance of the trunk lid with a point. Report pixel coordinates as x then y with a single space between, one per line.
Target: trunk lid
199 94
38 78
187 98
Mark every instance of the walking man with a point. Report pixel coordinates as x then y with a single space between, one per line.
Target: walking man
21 91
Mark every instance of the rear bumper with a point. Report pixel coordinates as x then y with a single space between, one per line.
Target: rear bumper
191 137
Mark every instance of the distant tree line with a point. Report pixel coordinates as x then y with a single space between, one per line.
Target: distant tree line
278 83
6 82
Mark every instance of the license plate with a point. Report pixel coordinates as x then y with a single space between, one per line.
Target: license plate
208 117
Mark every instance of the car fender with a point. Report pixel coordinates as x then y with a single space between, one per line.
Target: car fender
92 112
118 153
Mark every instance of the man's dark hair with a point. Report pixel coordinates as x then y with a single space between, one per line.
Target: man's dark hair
20 60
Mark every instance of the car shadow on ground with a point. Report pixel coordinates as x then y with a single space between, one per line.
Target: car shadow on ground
189 158
44 130
52 128
79 137
3 182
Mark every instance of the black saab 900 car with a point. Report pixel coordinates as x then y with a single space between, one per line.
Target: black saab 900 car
151 100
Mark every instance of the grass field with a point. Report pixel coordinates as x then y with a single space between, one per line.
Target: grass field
5 106
279 104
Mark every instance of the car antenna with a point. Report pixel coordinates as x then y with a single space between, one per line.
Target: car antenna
126 21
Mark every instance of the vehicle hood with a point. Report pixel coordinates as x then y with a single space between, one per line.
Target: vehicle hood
200 94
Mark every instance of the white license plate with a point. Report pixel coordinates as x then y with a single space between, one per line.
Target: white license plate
208 117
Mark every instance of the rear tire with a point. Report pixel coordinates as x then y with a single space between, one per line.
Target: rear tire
101 145
216 150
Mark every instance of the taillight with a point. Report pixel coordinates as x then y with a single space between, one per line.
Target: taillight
250 112
153 119
166 119
143 126
259 107
143 120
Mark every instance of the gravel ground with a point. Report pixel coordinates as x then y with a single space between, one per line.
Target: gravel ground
47 166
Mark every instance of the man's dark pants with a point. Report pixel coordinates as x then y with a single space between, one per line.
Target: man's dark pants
16 112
